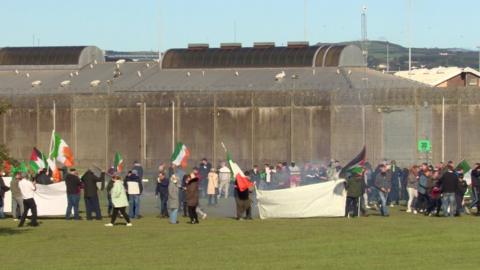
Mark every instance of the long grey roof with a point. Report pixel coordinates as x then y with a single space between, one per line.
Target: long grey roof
149 77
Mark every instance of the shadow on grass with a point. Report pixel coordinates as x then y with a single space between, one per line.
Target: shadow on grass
11 231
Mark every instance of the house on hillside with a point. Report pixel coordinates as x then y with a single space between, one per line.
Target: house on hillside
444 76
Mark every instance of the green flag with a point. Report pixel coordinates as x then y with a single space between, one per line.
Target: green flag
464 166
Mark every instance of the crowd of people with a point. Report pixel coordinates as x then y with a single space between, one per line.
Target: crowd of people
430 190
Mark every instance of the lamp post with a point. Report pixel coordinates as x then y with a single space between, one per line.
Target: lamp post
478 47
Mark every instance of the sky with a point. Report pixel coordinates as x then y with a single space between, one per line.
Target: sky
163 24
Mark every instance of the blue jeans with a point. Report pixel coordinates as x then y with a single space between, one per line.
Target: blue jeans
173 215
383 201
449 203
2 214
134 203
92 205
475 198
73 201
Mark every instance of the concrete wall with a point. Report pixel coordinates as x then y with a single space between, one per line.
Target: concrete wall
257 127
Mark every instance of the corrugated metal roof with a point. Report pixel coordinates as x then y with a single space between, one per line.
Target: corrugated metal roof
435 76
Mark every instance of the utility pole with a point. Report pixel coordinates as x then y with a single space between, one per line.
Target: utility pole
388 57
305 32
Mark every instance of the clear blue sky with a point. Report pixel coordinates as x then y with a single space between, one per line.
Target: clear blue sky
150 24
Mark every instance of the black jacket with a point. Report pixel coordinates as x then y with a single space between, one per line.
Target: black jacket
73 184
449 182
90 181
133 178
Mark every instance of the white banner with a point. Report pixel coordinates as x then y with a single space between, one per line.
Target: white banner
7 200
318 200
51 199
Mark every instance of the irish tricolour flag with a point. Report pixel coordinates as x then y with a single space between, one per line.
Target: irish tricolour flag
180 155
118 163
243 182
37 160
60 151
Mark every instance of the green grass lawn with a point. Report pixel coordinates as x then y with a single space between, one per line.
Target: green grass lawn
402 241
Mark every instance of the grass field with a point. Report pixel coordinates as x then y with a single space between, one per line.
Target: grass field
401 241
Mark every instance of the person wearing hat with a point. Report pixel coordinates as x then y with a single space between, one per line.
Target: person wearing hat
119 201
27 188
134 187
355 186
72 181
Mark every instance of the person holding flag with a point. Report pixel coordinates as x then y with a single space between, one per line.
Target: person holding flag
243 188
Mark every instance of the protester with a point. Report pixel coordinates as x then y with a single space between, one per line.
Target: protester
43 178
449 185
475 176
412 189
295 174
90 189
394 195
173 198
109 178
383 186
423 189
73 183
27 188
120 202
183 195
138 168
192 197
17 199
355 186
133 185
203 170
243 201
212 188
162 191
461 189
224 176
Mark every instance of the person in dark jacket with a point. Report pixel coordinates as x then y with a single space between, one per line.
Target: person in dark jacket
162 191
461 189
355 186
203 170
73 183
90 180
192 197
396 173
383 185
133 185
42 178
110 182
138 168
475 174
449 185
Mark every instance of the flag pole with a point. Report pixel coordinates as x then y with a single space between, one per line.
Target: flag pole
54 115
224 148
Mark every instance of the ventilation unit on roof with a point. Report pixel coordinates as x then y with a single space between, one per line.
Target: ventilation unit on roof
297 44
263 45
198 46
230 46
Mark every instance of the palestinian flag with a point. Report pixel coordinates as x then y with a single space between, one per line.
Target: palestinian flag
243 183
464 166
180 155
57 177
355 166
37 160
118 163
61 151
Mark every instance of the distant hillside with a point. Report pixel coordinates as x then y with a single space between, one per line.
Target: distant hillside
421 57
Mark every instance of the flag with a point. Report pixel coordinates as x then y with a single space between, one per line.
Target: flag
55 171
61 151
118 163
22 167
180 155
464 166
243 182
37 160
355 166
